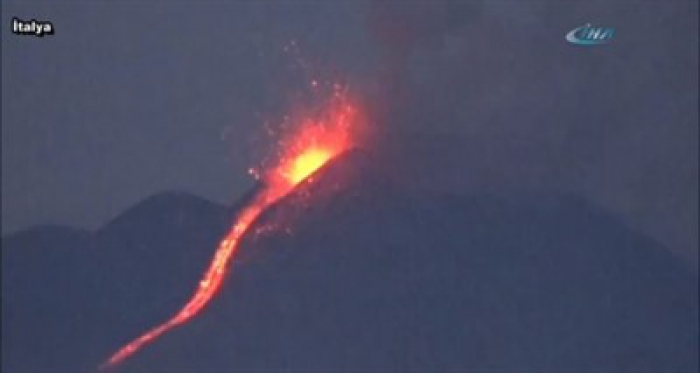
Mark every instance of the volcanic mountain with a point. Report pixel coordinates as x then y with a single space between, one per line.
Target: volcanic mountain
70 295
354 271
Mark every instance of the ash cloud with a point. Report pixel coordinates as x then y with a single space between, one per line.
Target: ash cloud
487 94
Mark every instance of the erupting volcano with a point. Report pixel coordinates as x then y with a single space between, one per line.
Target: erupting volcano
313 141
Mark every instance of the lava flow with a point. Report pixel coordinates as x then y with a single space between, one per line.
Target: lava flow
314 142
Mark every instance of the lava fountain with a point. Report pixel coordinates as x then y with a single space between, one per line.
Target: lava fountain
313 141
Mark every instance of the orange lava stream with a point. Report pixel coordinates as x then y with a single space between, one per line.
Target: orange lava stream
317 141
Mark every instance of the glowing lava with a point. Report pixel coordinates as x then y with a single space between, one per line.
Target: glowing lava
315 141
307 163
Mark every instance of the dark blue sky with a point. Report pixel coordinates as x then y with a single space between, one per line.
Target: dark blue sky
132 98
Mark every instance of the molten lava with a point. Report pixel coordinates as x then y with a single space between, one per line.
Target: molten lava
308 162
314 142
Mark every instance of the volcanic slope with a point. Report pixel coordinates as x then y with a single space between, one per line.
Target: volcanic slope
71 297
360 273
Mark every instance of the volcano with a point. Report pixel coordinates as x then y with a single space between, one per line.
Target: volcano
359 273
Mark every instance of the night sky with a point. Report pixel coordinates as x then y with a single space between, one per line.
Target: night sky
132 98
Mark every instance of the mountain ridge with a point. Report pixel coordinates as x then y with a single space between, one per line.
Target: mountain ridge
362 272
370 278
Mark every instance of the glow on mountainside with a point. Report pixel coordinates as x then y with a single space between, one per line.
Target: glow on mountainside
313 141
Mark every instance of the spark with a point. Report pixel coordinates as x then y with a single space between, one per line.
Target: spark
315 141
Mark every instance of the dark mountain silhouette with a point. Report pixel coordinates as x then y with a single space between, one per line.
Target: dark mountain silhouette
376 277
362 274
70 296
41 273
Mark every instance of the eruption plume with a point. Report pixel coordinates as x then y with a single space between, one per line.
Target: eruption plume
312 142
